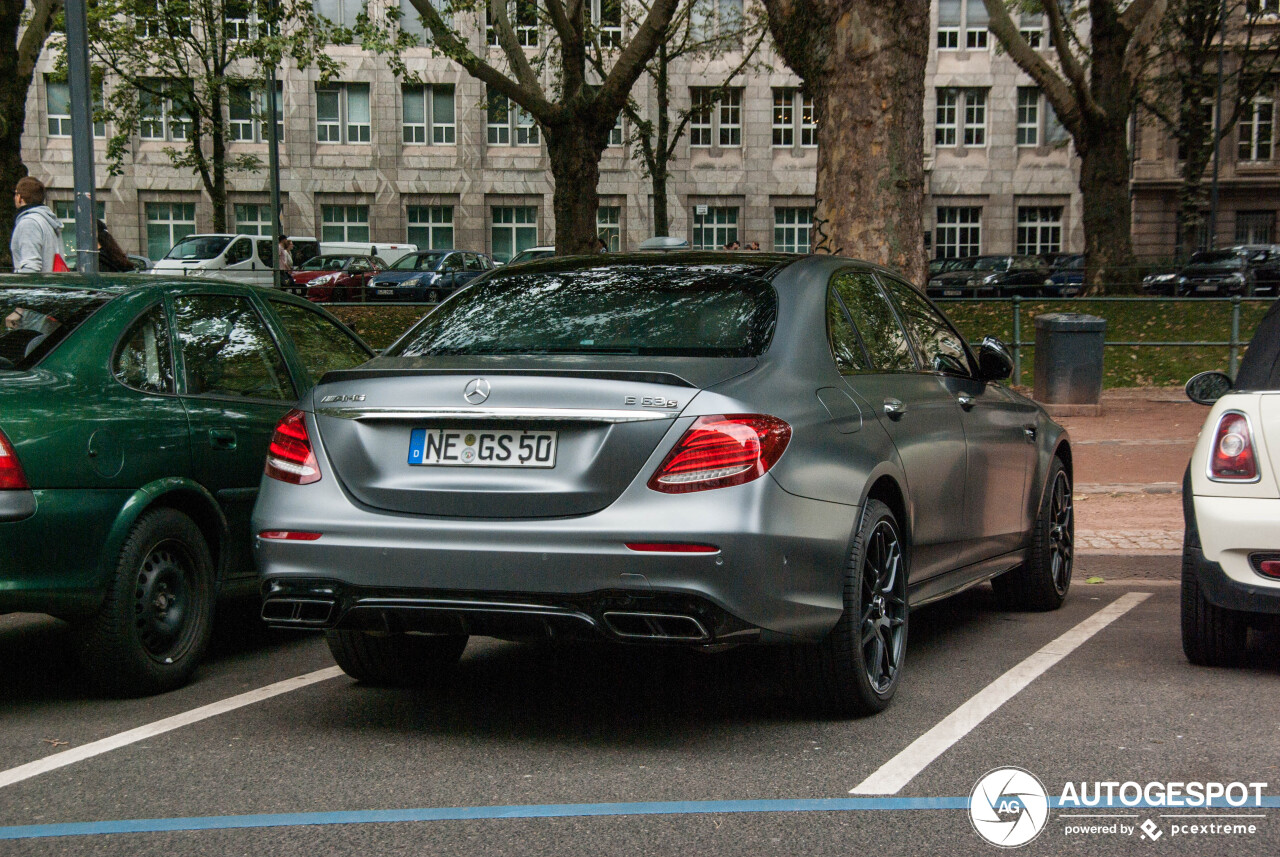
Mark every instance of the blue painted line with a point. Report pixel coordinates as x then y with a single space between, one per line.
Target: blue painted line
567 810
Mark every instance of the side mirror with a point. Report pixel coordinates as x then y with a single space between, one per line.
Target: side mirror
994 362
1207 387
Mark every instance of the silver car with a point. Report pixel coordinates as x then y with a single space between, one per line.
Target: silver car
690 449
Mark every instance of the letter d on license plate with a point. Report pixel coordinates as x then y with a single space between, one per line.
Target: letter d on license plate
470 448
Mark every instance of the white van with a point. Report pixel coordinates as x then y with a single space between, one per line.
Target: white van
238 258
388 253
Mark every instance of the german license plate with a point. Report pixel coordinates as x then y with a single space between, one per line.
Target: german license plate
1206 288
951 293
384 291
470 448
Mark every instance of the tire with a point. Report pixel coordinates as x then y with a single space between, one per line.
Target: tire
1041 583
433 296
154 624
1212 636
395 660
856 669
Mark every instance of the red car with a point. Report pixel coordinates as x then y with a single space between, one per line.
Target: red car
335 277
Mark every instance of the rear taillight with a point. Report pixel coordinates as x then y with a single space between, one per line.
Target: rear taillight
290 457
1232 458
720 451
11 476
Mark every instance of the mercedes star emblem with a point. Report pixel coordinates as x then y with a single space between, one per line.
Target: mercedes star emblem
476 391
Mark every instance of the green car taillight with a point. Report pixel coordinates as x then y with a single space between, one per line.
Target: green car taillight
11 476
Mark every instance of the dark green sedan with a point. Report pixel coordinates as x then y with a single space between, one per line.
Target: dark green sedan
135 416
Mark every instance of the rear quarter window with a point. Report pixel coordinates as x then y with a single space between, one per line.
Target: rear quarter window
36 319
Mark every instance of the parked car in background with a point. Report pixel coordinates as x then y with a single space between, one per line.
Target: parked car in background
304 247
335 277
531 254
135 415
941 266
1161 283
991 276
141 264
680 449
1066 278
1247 271
386 253
1231 506
429 275
244 259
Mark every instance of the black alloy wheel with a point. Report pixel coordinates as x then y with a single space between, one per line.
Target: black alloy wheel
1062 533
1042 581
884 607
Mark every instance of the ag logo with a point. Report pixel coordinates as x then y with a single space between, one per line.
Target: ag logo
1008 807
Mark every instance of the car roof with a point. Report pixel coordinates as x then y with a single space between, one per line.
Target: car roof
120 284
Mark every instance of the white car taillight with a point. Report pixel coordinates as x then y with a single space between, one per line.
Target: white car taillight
11 476
290 457
1232 458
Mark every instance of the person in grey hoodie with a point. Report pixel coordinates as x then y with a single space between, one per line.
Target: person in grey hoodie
37 234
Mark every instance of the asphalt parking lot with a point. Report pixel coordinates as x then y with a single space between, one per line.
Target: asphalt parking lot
534 749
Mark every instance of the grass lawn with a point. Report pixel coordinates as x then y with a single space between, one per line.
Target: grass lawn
1127 321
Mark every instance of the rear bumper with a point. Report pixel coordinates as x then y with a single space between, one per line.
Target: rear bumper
1224 591
777 572
1231 531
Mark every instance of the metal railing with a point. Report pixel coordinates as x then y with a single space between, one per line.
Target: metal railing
1016 346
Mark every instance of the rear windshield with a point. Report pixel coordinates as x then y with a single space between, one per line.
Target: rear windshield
325 263
199 247
1217 259
417 262
625 309
37 319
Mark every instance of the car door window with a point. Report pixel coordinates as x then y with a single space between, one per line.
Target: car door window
453 263
264 252
940 347
876 321
227 349
322 346
238 252
143 361
474 263
846 347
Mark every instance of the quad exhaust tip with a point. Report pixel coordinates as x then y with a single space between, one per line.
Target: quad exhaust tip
655 626
298 612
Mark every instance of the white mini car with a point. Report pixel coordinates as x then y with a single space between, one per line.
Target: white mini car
1231 505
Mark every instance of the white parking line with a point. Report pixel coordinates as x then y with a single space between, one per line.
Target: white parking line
168 724
902 768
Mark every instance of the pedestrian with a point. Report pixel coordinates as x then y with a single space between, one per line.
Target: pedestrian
37 235
754 245
602 246
285 253
111 259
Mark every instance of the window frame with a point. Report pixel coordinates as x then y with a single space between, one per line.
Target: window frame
961 228
699 226
780 213
1025 226
435 132
363 130
346 225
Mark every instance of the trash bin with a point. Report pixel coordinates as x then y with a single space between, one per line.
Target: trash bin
1069 358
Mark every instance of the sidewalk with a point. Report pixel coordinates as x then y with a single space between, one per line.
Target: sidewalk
1128 470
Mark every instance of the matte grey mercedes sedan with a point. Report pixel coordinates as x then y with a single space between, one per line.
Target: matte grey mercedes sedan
690 449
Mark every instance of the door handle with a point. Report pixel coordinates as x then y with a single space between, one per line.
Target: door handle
965 401
222 438
1030 433
894 408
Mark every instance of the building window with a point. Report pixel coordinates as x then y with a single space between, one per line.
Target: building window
792 229
609 226
523 16
58 102
162 117
345 13
509 124
1032 29
344 223
513 229
1256 130
606 15
961 116
1039 229
616 134
155 19
342 113
65 211
1252 227
715 18
248 114
167 224
411 19
431 226
962 16
958 232
244 20
788 103
714 227
429 115
711 118
253 219
1028 116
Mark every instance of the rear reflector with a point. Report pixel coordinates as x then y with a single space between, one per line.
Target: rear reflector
1270 568
290 457
662 547
720 451
288 536
11 476
1232 459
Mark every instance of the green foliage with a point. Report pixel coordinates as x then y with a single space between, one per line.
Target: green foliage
379 325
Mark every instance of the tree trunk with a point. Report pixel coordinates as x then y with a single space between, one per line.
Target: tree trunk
864 64
662 156
13 110
1104 187
218 193
661 220
575 149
